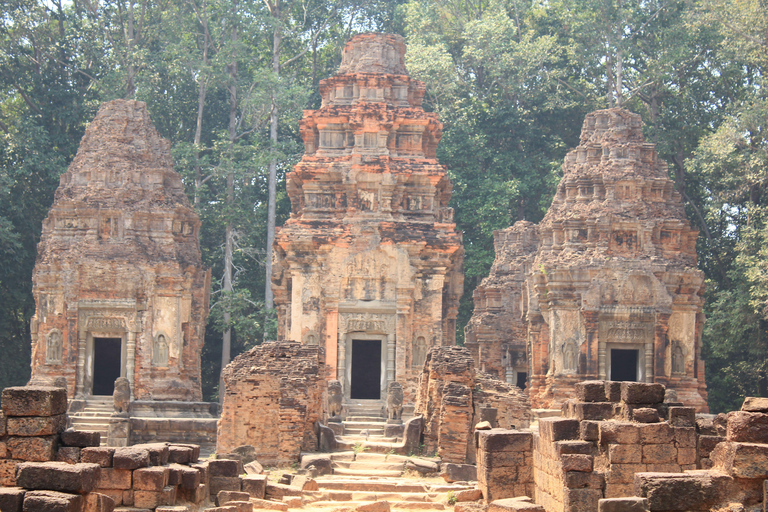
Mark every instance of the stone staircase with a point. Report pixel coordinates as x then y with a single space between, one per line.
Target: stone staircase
363 478
366 420
94 416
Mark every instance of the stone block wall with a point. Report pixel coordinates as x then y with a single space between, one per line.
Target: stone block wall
620 440
274 393
31 423
449 396
45 467
738 475
504 463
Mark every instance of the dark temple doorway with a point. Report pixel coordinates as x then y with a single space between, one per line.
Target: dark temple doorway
106 364
366 370
624 364
522 380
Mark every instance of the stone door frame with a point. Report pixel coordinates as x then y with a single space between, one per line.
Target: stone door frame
366 325
104 318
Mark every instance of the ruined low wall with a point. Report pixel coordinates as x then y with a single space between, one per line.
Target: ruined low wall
44 467
450 396
504 463
273 397
622 440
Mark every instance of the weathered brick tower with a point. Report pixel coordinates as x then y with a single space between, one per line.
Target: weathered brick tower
606 286
119 284
369 264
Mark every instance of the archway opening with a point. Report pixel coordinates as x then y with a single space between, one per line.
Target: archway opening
106 364
624 364
366 370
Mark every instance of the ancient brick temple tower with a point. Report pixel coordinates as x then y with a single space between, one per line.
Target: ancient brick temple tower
119 284
369 264
606 286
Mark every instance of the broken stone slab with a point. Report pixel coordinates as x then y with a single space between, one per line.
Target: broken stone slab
58 476
682 416
52 501
253 468
590 391
304 483
132 457
755 404
278 491
642 393
321 463
97 502
32 449
11 499
80 439
154 499
645 415
557 429
34 401
519 504
159 453
498 440
153 478
422 466
223 483
254 485
268 505
376 506
224 497
247 452
596 411
468 495
623 505
742 460
68 454
225 467
458 472
689 491
98 455
28 426
8 472
179 454
613 391
748 427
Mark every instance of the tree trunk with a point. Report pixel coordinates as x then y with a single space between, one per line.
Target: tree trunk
272 184
226 341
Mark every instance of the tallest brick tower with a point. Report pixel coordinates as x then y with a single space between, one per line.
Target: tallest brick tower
369 265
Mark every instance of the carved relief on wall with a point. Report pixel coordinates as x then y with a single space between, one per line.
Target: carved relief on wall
614 331
367 322
311 338
570 357
54 347
160 350
99 323
677 358
419 352
366 277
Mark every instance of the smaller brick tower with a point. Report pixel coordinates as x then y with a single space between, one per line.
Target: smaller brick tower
606 285
119 283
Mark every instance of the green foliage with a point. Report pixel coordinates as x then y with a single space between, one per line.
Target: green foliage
510 80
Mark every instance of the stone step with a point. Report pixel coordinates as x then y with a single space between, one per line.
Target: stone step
388 485
369 465
365 419
355 438
368 457
373 423
395 485
393 504
363 431
368 472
